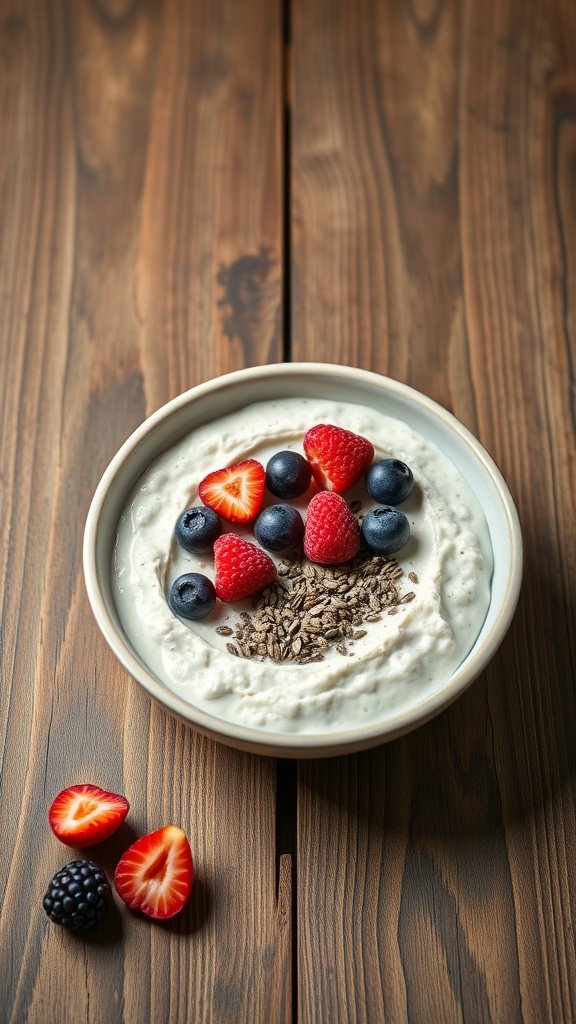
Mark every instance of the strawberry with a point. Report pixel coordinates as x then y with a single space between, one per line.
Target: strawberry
156 873
236 492
241 568
84 815
338 457
331 534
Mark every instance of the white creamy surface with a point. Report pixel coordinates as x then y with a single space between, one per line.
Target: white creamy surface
402 659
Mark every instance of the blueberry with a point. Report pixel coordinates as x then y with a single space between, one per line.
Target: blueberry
279 528
197 529
389 481
288 475
385 529
192 596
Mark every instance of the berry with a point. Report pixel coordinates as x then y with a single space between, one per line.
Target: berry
279 528
241 568
338 457
192 596
197 529
235 492
77 895
389 482
288 475
332 534
156 873
385 529
84 815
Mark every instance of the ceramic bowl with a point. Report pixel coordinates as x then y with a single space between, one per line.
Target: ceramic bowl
226 394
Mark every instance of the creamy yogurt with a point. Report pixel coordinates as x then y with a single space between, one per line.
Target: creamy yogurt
402 659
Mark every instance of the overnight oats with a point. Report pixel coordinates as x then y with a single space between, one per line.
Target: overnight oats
302 566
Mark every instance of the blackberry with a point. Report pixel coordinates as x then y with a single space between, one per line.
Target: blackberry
77 895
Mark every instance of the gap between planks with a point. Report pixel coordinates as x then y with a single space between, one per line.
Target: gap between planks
286 92
286 861
286 839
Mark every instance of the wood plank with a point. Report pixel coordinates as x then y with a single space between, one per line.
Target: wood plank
434 234
141 251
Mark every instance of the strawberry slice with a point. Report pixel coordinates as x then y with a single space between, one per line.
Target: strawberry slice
156 873
338 457
84 815
236 492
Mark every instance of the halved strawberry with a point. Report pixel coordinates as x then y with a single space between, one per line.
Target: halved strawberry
338 457
156 873
84 815
235 492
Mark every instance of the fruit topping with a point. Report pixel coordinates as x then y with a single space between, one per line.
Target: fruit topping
288 475
197 529
192 596
385 529
332 534
77 895
236 492
338 457
389 482
241 568
156 873
279 528
84 815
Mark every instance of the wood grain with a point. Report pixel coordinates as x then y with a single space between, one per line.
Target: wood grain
428 173
141 249
434 231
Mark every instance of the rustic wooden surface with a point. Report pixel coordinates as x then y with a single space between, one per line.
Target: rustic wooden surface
181 194
140 188
435 238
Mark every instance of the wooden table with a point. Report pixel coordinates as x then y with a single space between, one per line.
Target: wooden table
191 187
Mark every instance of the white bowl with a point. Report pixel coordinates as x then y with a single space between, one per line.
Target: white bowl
305 380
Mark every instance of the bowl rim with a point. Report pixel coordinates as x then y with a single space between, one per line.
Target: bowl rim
319 744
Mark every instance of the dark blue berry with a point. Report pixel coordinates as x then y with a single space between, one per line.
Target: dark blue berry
288 475
192 596
385 530
389 481
77 895
197 529
279 528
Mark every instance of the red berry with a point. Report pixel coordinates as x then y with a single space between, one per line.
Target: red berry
338 457
332 534
156 873
241 568
236 492
84 815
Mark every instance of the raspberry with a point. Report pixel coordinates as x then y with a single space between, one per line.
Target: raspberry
338 457
332 534
241 568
